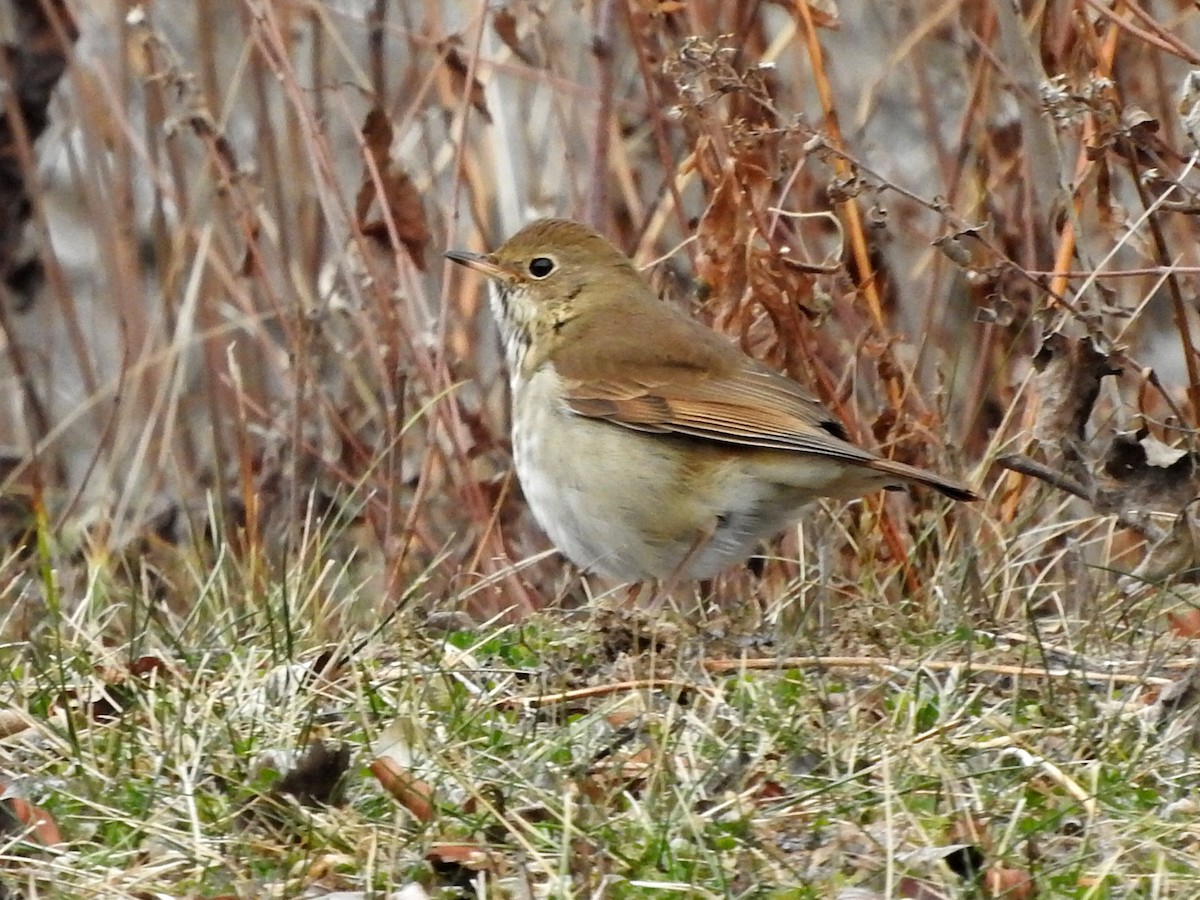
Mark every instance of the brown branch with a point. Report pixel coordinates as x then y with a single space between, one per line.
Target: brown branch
598 690
1024 465
602 49
1158 38
729 666
770 663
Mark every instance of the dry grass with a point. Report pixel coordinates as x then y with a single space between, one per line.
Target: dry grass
257 466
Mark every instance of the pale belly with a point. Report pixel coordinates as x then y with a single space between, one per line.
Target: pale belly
634 506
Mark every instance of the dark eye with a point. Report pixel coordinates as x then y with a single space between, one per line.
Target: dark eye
541 266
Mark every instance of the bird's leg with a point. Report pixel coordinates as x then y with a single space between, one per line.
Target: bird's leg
669 583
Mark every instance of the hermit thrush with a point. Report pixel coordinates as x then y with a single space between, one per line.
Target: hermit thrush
649 446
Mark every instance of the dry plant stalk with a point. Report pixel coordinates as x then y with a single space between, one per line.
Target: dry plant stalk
275 340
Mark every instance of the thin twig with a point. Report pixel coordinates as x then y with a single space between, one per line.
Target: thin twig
602 50
1024 465
771 663
729 666
1158 38
600 690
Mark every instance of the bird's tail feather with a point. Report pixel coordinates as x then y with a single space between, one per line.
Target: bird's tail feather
905 472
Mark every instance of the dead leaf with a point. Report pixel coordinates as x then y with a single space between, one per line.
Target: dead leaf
1188 105
464 853
1068 383
377 134
20 817
621 717
458 71
1173 703
1142 473
414 794
969 248
824 13
400 201
1011 884
152 665
504 23
919 889
14 721
1185 624
721 231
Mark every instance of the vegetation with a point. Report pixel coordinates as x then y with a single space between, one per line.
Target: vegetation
274 619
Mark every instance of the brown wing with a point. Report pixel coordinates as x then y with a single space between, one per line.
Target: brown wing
750 407
670 374
659 371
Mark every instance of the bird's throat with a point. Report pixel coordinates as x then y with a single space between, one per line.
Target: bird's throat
516 331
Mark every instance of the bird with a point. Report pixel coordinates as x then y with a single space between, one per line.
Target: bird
648 446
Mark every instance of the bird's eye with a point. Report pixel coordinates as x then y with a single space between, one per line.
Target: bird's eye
541 266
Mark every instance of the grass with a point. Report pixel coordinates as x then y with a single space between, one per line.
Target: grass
594 752
275 620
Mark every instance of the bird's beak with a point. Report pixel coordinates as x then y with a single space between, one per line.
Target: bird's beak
480 263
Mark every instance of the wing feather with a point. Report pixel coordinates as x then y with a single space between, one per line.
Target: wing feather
689 380
718 409
668 374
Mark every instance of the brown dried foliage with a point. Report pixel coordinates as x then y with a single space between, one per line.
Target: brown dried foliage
287 349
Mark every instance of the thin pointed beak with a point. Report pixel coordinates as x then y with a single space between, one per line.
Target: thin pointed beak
480 263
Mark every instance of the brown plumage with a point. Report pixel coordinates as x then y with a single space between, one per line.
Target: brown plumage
723 449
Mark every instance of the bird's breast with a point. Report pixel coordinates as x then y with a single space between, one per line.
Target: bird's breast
621 502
